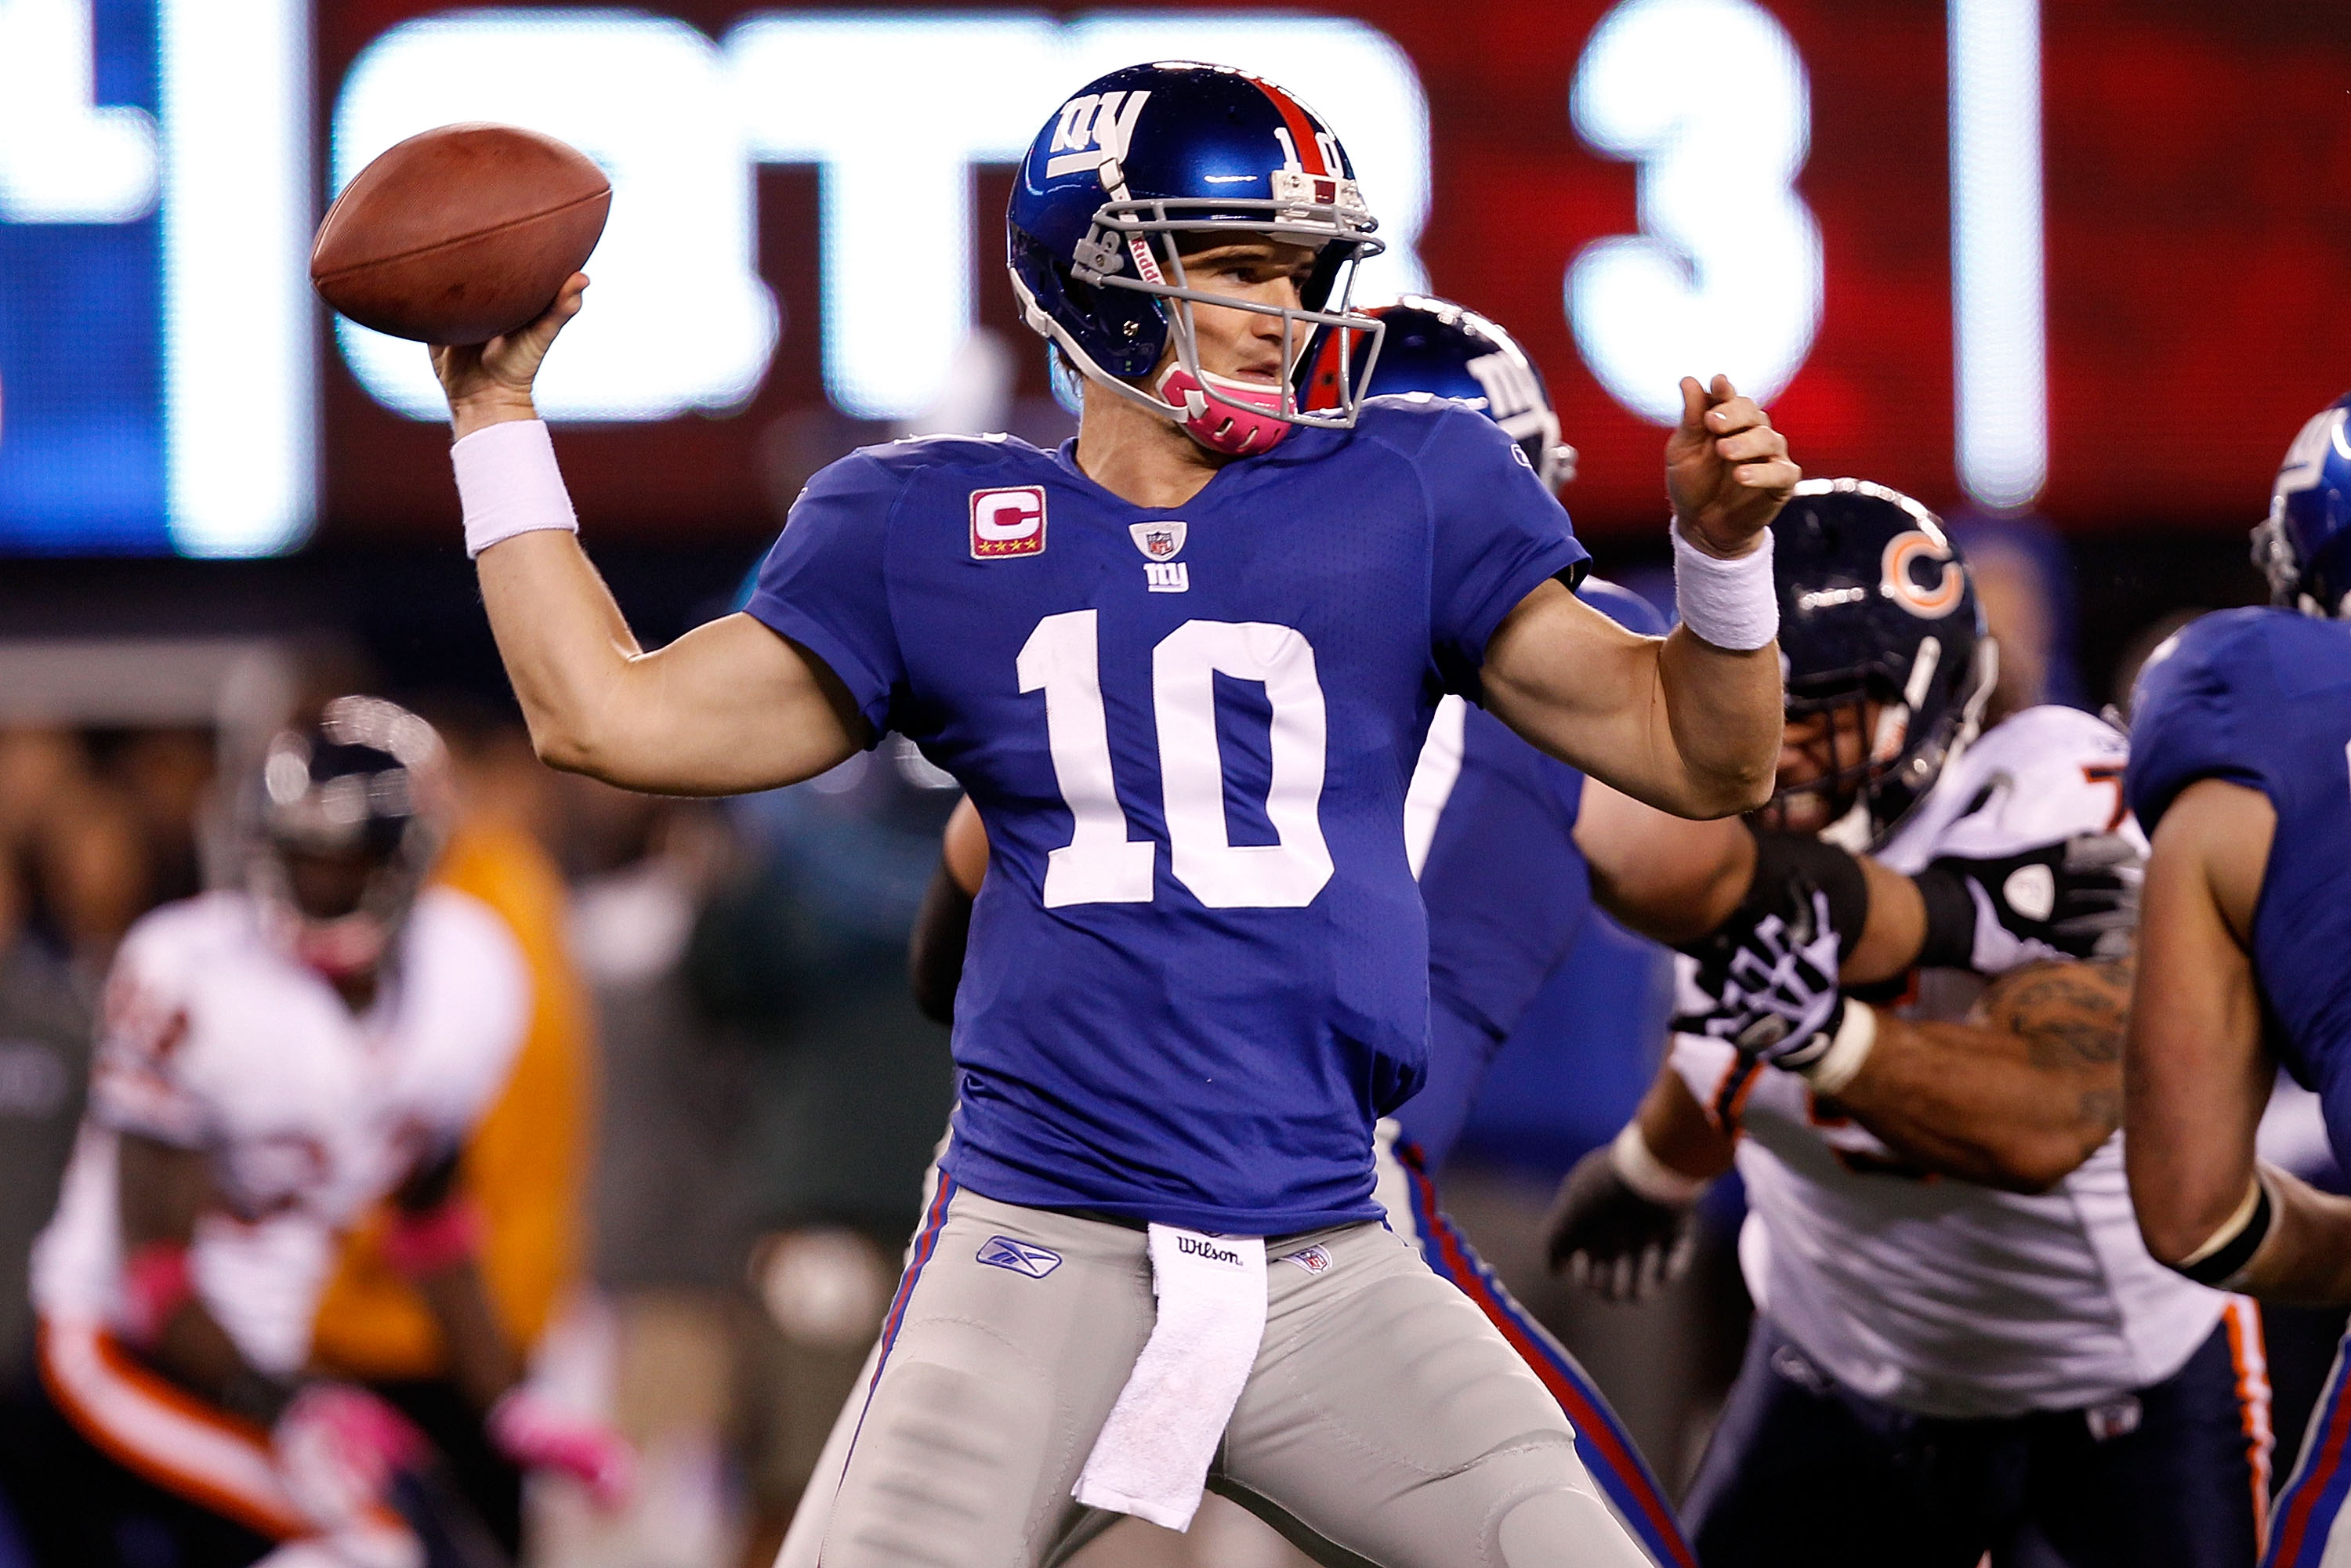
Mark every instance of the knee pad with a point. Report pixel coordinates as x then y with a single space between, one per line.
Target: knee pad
945 1469
1561 1527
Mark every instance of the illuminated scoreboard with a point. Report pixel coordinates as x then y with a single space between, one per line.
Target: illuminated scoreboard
1993 256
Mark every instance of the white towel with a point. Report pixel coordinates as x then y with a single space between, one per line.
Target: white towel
1152 1457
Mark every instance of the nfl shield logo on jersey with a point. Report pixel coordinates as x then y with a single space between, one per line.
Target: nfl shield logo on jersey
1021 1257
1158 541
1008 522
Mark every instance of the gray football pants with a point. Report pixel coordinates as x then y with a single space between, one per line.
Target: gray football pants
1385 1423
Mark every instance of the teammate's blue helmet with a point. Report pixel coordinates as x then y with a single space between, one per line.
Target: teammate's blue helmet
1433 345
1146 162
2304 545
1876 605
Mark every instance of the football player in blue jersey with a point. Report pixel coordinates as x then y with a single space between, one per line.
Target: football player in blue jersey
2240 772
1489 826
1182 667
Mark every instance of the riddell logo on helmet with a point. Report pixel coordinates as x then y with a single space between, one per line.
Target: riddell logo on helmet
1008 522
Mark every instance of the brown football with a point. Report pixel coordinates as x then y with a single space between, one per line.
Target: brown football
459 233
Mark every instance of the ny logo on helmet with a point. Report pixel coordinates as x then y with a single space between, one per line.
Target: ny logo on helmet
1095 129
1510 384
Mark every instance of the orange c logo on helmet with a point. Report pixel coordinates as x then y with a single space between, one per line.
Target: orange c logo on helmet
1926 603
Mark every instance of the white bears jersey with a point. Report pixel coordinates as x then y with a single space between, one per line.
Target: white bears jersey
214 1039
1936 1295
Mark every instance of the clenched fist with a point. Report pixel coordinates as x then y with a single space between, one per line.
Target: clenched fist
1726 469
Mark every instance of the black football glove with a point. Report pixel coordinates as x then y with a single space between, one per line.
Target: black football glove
1770 989
1610 1239
2078 899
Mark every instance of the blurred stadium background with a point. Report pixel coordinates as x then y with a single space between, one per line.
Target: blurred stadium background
2067 274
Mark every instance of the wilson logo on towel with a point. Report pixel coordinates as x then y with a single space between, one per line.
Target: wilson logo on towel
1021 1257
1193 1246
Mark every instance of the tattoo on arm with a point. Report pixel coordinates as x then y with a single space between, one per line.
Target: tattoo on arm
2071 1015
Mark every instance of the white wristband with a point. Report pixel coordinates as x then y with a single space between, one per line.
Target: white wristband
1841 1062
1729 603
1650 1175
508 484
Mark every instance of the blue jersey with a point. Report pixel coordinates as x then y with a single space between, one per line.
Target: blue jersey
2263 698
1507 890
1198 966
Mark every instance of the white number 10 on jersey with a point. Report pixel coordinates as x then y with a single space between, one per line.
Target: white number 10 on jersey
1101 864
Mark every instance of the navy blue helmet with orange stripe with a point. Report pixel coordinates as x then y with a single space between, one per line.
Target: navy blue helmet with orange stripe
1148 163
1878 615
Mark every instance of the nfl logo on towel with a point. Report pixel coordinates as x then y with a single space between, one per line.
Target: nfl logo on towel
1008 522
1161 543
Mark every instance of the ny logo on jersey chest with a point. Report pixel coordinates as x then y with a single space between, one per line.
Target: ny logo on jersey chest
1161 543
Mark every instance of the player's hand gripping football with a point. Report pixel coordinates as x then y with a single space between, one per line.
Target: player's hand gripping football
1610 1239
489 382
1726 469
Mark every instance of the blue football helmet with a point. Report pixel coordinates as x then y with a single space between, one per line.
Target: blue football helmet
1436 346
1133 166
1878 605
2304 545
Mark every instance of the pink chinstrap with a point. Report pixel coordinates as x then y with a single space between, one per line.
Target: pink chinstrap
341 949
1239 419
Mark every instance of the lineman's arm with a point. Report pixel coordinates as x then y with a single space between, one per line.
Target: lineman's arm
482 1362
162 1190
1689 727
2196 1071
728 708
2014 1099
943 927
1675 882
1621 1221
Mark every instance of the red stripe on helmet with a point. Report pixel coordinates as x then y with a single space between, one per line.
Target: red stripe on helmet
1301 127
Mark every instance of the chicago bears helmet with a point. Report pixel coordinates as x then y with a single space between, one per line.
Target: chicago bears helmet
1139 161
1876 606
1436 346
2304 545
367 786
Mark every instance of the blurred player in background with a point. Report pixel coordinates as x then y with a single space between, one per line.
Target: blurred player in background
2240 770
1962 1345
1488 826
525 1162
1166 1062
273 1061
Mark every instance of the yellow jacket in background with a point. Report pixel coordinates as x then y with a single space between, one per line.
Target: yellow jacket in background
526 1164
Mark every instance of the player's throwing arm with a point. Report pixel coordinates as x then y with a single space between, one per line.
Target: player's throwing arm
727 708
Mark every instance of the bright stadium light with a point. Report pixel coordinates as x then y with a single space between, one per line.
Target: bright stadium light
64 160
240 403
885 106
1999 330
1710 98
678 319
